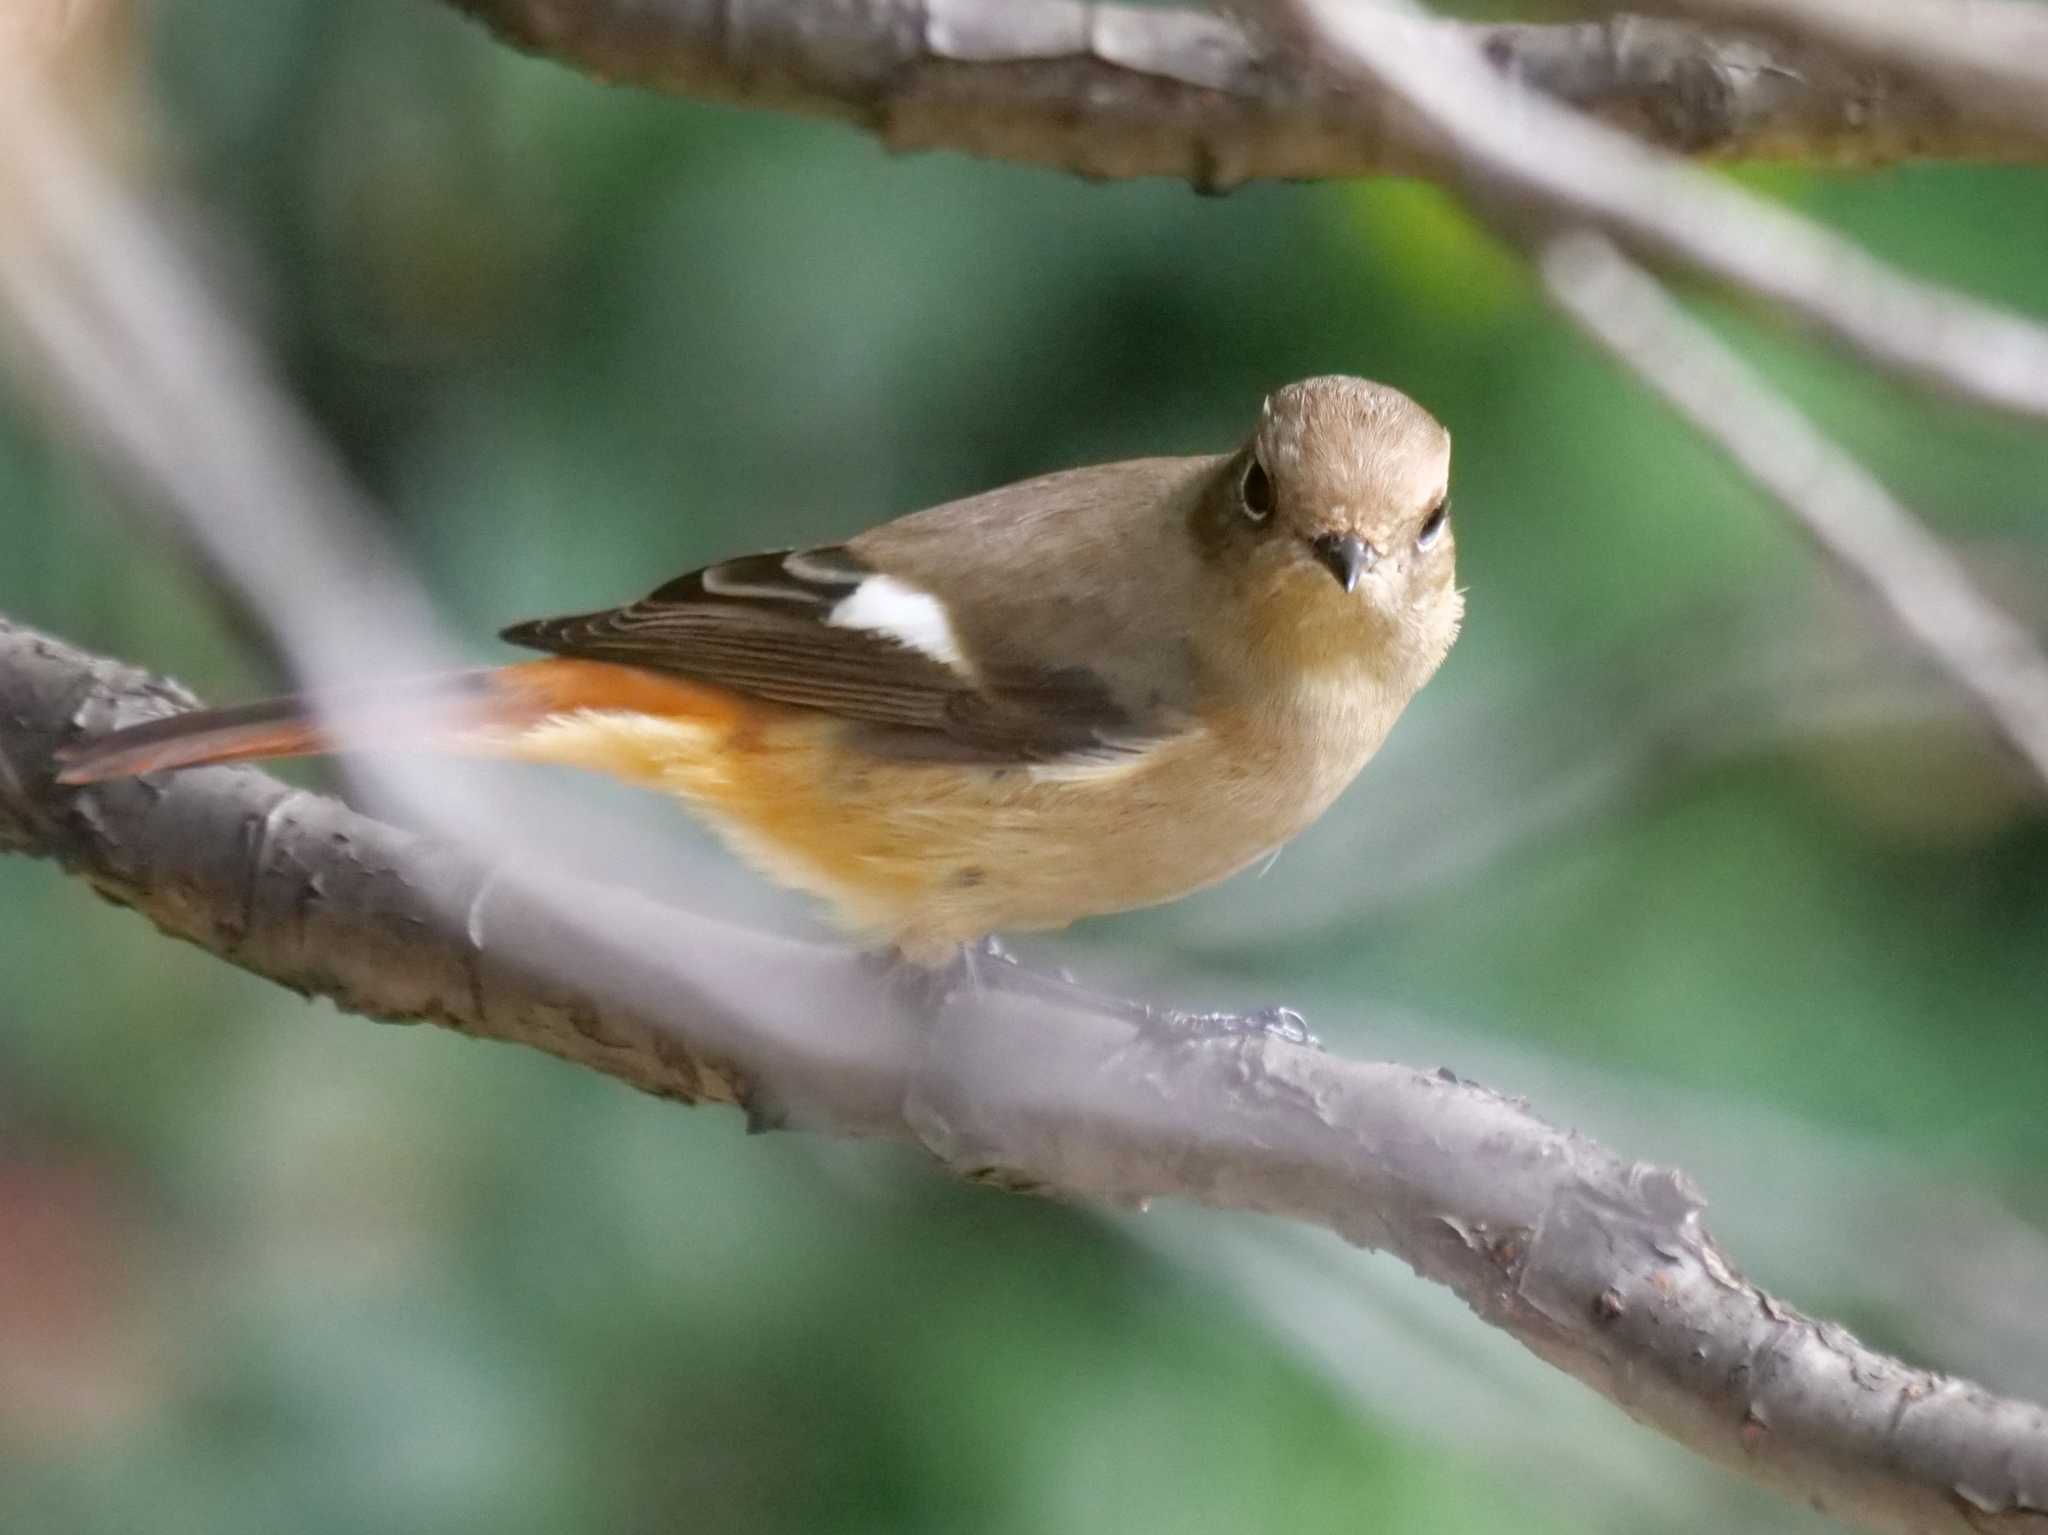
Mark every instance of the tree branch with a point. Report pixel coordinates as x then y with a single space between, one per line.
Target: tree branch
1853 518
1987 58
1600 1266
1118 91
1525 161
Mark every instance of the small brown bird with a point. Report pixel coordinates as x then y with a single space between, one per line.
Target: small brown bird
1092 691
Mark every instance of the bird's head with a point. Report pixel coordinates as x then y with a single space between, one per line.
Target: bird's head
1336 514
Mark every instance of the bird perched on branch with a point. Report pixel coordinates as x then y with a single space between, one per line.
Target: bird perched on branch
1097 690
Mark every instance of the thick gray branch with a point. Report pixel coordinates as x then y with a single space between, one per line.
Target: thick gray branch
1119 91
1600 1266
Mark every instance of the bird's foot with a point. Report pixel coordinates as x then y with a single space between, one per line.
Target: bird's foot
928 988
1284 1024
990 966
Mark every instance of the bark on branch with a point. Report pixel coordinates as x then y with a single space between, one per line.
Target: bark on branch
1988 56
1600 1266
1117 91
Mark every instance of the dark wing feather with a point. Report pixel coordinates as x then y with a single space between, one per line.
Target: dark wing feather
759 625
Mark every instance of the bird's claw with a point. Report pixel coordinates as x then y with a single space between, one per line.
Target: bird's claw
989 965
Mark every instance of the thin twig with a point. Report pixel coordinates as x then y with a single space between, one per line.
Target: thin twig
1527 160
1850 515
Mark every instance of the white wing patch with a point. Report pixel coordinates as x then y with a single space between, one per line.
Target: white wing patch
885 605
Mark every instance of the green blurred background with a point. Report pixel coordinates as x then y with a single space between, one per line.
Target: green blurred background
1680 843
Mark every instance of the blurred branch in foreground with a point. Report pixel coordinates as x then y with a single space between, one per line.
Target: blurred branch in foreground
1117 91
1598 1265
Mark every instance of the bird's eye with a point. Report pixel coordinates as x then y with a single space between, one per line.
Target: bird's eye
1256 493
1433 528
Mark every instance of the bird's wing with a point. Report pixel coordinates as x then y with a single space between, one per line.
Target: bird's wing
823 629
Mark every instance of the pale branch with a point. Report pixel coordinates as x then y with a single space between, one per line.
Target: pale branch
1600 1266
1120 91
1855 520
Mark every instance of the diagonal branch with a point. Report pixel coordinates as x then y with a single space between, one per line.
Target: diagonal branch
1600 1266
1117 91
1928 593
1527 161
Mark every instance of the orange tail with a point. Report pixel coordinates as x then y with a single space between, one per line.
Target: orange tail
459 712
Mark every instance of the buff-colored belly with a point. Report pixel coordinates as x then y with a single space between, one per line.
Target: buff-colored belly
926 856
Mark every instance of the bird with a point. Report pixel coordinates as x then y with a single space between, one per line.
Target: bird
1092 691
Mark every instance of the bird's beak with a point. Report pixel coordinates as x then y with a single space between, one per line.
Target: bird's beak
1346 556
